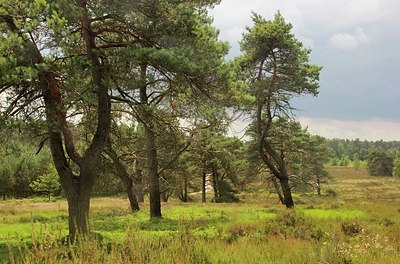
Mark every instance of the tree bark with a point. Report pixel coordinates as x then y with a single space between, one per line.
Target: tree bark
78 189
215 182
151 148
203 187
139 184
152 169
278 189
318 185
123 174
287 193
184 190
133 200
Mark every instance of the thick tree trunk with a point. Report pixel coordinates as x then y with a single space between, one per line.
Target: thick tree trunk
78 213
78 191
278 189
203 187
287 193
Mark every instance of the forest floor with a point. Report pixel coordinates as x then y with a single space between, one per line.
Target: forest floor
359 222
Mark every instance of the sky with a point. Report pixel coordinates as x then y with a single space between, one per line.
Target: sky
358 44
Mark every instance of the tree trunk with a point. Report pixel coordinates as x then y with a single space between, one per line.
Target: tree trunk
4 196
287 193
140 187
152 169
184 190
278 189
215 182
78 214
151 148
318 185
164 197
133 200
123 174
203 187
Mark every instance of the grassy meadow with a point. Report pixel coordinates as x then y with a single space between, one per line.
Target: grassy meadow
358 222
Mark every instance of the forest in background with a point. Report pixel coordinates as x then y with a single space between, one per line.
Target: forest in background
22 164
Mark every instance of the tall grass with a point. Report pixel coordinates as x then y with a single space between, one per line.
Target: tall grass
359 225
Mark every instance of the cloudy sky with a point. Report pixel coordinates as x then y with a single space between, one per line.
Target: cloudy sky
358 44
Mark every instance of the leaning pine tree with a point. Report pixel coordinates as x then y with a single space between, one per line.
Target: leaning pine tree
276 68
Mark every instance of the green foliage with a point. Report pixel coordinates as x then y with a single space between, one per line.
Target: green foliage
350 148
344 161
19 165
226 193
294 223
356 160
48 183
379 163
396 167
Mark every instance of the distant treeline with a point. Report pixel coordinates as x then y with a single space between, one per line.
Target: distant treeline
345 150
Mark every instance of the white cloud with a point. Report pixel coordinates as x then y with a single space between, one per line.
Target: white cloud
374 129
307 42
349 41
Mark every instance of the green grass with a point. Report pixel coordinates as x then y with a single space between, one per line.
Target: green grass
254 231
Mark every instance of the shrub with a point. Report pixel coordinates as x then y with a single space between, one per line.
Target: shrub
351 228
331 192
294 223
379 163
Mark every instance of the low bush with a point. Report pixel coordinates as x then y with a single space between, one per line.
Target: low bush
293 223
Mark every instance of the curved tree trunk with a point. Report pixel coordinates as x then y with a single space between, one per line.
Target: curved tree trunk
123 174
287 193
278 189
78 188
133 200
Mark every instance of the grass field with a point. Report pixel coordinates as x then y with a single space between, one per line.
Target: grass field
361 224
